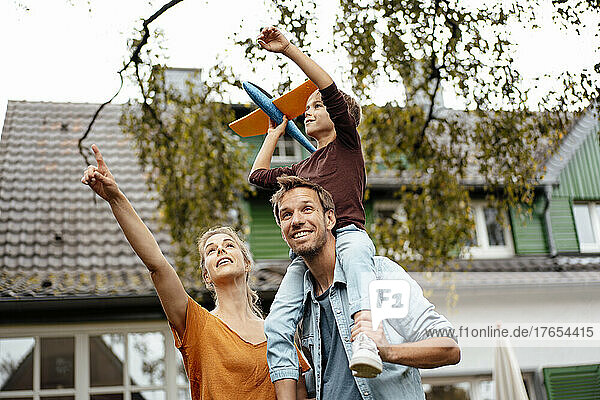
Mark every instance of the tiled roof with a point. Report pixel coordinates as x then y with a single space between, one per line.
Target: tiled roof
268 274
57 241
520 271
586 125
531 264
386 178
55 238
528 270
483 280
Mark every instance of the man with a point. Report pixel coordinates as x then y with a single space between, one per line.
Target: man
305 212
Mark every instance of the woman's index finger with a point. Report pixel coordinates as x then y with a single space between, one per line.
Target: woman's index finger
98 155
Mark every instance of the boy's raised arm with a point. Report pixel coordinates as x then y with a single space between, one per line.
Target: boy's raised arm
265 154
273 40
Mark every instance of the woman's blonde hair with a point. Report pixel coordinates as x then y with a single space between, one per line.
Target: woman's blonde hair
252 296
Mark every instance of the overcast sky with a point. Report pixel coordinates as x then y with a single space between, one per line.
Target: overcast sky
56 51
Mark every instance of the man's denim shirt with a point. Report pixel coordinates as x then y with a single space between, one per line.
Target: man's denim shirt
396 381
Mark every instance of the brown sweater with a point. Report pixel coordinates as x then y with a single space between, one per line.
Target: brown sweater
339 167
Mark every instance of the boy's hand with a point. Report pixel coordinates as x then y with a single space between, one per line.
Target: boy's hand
278 130
272 39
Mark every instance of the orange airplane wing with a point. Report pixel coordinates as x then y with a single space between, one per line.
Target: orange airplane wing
255 123
293 103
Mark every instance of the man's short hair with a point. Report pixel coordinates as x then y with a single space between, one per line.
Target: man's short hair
353 107
287 183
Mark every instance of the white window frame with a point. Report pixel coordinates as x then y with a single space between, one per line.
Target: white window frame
81 333
283 157
595 219
476 380
483 249
389 205
396 208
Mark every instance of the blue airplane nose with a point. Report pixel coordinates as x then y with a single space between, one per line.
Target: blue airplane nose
249 86
264 100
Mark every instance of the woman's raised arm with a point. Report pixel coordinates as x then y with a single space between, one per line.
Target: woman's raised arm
168 286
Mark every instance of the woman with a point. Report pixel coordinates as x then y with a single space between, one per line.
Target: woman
224 351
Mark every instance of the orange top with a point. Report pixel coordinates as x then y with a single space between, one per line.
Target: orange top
219 363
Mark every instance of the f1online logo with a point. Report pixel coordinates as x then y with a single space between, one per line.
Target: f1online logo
389 299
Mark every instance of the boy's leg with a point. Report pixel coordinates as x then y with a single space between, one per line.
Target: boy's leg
356 251
282 321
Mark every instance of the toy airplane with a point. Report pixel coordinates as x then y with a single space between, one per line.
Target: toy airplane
291 104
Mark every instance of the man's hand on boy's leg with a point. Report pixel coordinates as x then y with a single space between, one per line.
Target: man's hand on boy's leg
273 40
366 361
363 323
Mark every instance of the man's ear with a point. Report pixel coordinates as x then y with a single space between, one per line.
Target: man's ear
330 219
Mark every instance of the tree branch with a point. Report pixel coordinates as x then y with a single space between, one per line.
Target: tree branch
436 73
135 58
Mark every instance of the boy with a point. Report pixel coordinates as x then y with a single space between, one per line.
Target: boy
331 118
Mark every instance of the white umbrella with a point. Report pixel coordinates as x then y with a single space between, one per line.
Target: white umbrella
507 374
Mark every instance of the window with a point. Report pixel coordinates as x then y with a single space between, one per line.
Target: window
490 239
587 223
388 209
389 213
479 387
138 363
287 151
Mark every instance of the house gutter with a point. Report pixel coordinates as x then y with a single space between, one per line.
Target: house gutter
548 221
75 309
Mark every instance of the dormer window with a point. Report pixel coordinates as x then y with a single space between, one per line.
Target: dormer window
587 223
287 151
490 239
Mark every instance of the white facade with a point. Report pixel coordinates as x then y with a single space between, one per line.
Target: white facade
518 301
144 355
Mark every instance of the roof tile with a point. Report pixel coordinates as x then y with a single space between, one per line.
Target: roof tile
56 239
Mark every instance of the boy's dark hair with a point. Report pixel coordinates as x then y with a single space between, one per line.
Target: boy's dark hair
287 183
353 107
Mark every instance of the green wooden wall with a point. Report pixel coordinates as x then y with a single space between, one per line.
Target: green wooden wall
563 225
581 177
529 233
580 180
368 213
266 242
579 382
254 143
